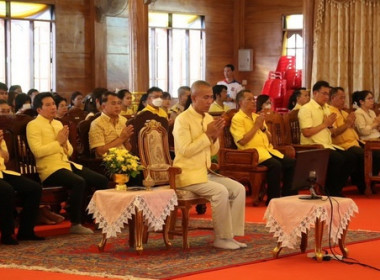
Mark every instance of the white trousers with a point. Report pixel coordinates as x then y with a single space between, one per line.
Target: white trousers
227 198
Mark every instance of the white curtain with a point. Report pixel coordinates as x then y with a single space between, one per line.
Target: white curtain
346 50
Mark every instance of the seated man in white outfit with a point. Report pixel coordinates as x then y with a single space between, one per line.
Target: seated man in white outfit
196 140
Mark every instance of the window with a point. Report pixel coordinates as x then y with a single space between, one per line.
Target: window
26 45
171 37
293 40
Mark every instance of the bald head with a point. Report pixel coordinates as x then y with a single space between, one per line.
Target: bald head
201 96
198 85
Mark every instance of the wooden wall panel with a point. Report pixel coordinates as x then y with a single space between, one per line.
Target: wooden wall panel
83 61
263 33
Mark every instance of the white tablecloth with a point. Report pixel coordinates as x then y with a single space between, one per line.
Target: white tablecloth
289 217
112 209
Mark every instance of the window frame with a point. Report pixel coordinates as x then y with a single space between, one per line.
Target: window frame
7 19
288 33
153 68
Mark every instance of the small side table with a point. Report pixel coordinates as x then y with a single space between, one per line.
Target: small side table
290 218
112 209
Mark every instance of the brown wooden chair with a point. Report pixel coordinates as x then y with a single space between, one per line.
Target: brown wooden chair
85 155
22 160
243 165
285 131
153 149
370 146
72 120
139 122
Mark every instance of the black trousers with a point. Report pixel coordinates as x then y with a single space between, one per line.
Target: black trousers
29 192
79 183
277 168
339 169
355 156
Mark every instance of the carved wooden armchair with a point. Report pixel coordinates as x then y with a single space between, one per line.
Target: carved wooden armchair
292 132
22 160
153 149
243 165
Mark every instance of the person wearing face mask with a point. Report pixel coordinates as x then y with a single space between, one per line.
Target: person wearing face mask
263 104
154 102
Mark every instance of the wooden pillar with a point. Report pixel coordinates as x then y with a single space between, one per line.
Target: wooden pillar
98 47
139 54
239 28
308 35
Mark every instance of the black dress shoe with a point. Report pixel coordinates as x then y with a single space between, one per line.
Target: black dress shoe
32 237
9 240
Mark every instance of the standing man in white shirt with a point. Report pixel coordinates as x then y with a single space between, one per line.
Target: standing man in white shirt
233 86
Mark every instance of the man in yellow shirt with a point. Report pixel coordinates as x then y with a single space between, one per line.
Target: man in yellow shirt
196 140
179 107
154 102
316 122
109 130
220 96
30 193
344 135
249 131
48 141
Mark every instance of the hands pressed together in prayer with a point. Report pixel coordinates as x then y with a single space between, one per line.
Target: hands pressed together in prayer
126 133
63 135
329 120
215 128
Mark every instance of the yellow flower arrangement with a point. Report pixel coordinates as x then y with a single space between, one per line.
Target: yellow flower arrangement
120 161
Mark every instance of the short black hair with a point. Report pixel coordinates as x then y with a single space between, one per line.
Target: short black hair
105 96
261 99
334 91
358 96
31 91
37 101
217 90
152 89
74 95
121 93
230 66
240 95
318 85
20 100
14 87
58 99
3 86
166 95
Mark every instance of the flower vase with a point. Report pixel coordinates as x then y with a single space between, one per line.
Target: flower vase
120 180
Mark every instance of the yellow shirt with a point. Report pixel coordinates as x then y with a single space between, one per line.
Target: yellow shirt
193 148
240 125
297 107
215 107
49 154
3 168
176 108
161 112
103 131
349 137
127 112
311 115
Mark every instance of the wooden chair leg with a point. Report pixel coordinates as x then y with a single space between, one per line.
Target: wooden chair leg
173 220
145 235
185 225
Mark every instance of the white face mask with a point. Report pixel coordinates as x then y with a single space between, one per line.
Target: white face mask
157 102
267 106
26 106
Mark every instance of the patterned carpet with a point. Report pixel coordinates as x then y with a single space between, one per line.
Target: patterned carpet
79 255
